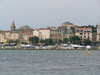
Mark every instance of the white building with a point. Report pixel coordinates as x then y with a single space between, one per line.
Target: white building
42 33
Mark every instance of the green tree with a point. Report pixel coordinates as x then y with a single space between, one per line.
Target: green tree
17 41
60 41
42 41
87 42
75 40
31 39
73 30
34 39
66 40
24 43
95 42
11 41
94 28
48 41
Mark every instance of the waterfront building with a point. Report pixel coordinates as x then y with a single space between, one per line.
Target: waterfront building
63 32
42 33
98 32
2 37
23 34
53 33
60 32
14 36
94 36
68 25
8 35
5 36
26 34
84 33
26 27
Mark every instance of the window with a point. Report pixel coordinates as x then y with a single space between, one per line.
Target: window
88 37
81 36
84 36
77 31
81 33
81 30
84 33
25 35
84 30
88 33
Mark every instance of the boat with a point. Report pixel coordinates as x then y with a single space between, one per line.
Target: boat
66 46
88 47
78 46
27 46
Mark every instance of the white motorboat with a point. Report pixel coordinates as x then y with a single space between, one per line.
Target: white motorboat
78 46
27 46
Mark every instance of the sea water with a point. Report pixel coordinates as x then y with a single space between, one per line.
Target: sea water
49 62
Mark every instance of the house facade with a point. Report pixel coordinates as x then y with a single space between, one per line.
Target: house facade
84 33
26 35
60 33
94 36
42 33
98 32
7 35
68 25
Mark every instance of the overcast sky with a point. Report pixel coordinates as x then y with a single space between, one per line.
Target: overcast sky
44 13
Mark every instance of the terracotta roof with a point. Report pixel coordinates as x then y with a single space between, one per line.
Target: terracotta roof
4 31
6 38
42 29
54 35
20 38
83 28
26 32
98 34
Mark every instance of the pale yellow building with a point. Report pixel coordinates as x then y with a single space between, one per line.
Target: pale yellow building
84 33
6 36
15 36
2 37
68 25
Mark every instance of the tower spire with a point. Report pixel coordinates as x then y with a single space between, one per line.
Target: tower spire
13 27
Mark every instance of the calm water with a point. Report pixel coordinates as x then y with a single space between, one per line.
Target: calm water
50 62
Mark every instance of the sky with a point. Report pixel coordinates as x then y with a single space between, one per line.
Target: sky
44 13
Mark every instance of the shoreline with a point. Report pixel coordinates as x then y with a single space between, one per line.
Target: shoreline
45 49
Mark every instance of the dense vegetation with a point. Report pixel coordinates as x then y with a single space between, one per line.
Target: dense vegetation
34 39
94 28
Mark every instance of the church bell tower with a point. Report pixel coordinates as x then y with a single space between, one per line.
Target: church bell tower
13 27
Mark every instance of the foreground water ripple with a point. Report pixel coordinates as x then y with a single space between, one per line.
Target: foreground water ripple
49 62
